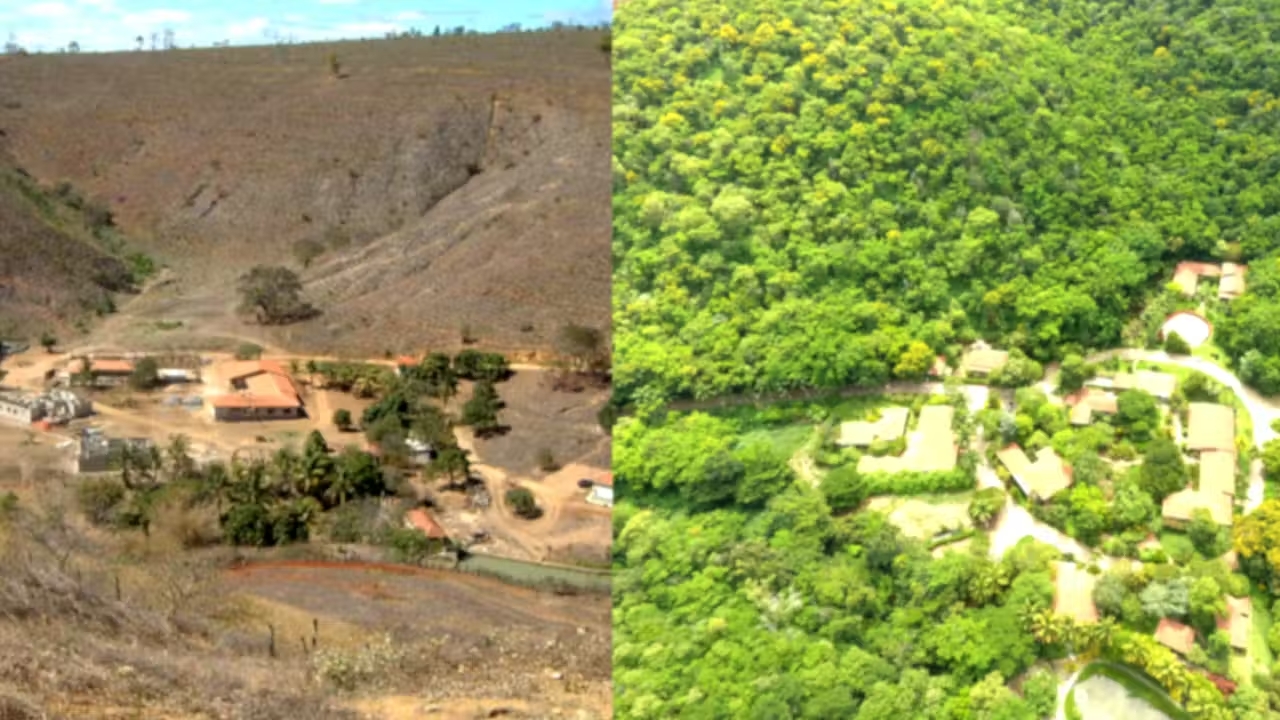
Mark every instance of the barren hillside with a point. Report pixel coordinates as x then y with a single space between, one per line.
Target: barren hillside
448 182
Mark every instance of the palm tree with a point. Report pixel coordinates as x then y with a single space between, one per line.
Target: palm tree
218 482
1045 627
286 473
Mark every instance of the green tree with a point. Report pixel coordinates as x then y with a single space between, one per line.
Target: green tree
523 503
273 294
1206 535
1073 373
342 419
1163 471
481 411
146 374
915 362
986 506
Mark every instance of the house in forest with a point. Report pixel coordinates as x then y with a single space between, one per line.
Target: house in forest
1087 404
1231 282
1176 636
862 433
1039 480
981 360
1210 426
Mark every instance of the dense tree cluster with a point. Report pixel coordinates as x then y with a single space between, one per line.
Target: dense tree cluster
258 501
806 189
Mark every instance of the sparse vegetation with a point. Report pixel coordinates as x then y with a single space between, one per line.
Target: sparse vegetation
248 351
547 461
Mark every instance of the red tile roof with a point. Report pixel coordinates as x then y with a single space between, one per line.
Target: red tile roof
422 520
606 480
1175 636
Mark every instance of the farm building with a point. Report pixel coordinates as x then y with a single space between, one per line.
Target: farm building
602 491
1039 480
1175 636
1073 593
255 390
106 372
861 433
22 406
1210 426
98 453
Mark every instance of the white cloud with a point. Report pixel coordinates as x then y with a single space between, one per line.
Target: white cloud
249 28
159 16
367 28
410 15
47 10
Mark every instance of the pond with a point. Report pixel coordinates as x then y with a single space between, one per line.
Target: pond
1106 691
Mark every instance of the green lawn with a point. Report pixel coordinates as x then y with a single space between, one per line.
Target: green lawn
1258 659
786 440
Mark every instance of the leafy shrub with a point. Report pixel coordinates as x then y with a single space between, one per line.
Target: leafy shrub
524 504
917 483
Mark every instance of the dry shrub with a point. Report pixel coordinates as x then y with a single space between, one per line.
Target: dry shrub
187 527
12 708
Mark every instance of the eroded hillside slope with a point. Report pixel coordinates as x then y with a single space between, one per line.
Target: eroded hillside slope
439 182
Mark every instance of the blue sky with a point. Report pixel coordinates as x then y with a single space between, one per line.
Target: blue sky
107 25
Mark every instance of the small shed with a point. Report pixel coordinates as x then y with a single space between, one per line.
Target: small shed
602 491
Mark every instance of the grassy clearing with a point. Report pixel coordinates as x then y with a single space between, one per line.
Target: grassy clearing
924 516
786 440
1259 657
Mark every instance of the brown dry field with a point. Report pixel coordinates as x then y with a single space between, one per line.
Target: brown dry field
458 181
70 648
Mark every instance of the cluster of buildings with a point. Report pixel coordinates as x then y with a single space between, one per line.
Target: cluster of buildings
931 448
55 406
1230 276
1073 598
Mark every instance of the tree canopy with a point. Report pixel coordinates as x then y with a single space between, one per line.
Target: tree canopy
804 189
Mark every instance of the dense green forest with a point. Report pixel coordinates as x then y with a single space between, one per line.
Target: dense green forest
805 187
739 593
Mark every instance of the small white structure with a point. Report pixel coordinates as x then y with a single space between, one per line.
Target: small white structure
602 491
